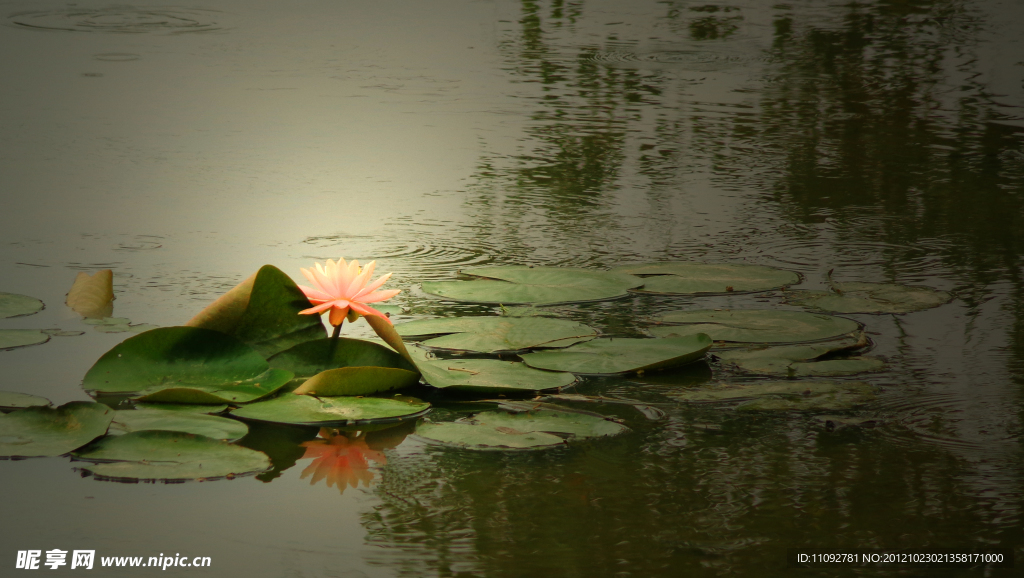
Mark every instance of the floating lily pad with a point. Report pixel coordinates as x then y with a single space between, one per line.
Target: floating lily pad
358 381
689 278
14 305
184 407
871 298
11 338
534 285
218 367
803 360
784 395
491 376
168 456
527 312
754 325
314 357
92 296
62 332
614 355
493 334
12 400
219 428
308 410
263 313
52 431
497 430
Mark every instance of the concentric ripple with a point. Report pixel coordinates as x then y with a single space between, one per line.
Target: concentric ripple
120 20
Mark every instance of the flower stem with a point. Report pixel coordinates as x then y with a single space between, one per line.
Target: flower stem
334 340
337 330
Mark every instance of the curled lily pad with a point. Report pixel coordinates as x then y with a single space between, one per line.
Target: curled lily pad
12 400
169 456
327 411
217 367
52 431
11 338
496 430
92 296
784 395
615 355
219 428
494 334
534 285
358 381
689 278
754 325
491 376
870 298
14 305
314 357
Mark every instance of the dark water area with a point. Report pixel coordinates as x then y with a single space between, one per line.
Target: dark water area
184 147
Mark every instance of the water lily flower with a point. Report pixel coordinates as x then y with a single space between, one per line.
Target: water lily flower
343 287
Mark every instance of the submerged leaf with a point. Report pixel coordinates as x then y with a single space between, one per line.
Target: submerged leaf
871 298
804 360
169 455
92 296
358 381
496 430
14 305
219 428
494 334
308 410
620 355
12 400
52 431
11 338
784 395
754 325
534 285
689 278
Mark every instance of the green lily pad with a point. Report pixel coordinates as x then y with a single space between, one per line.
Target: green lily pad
169 456
13 400
358 381
217 366
14 305
314 357
803 360
184 407
219 428
63 332
690 278
614 355
11 338
494 334
308 410
871 298
534 285
785 395
754 325
52 431
491 376
497 430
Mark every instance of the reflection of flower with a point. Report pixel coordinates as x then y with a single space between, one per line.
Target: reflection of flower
341 460
342 286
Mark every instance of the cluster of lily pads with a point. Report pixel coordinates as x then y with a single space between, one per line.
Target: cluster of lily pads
252 357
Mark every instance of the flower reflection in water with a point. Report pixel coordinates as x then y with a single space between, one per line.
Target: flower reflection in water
341 458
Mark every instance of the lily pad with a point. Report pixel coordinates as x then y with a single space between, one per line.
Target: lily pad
358 381
63 332
803 360
494 334
308 410
314 357
491 376
11 338
184 407
219 367
871 298
784 395
14 305
527 430
170 456
534 285
219 428
52 431
690 278
527 312
614 355
754 325
263 314
92 296
12 400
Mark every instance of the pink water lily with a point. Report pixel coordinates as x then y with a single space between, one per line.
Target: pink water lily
342 287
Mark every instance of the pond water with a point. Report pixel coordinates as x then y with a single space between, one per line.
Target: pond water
185 147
